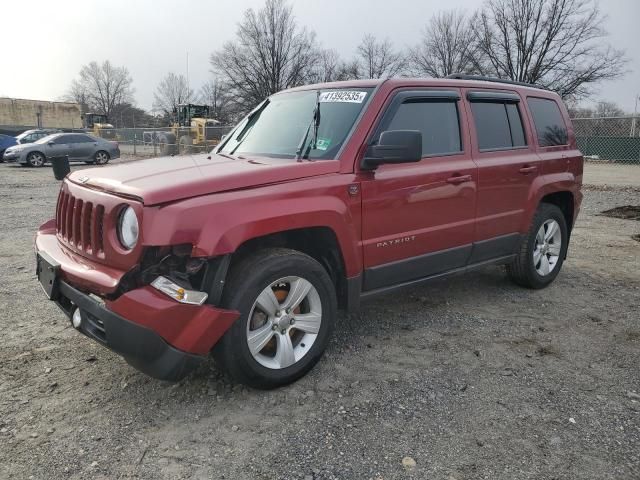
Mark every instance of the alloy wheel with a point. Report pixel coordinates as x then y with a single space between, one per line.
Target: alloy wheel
284 322
36 160
548 244
101 158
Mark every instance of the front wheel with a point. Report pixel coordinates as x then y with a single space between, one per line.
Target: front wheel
35 159
287 306
543 250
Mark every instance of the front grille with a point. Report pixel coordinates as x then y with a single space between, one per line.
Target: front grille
80 224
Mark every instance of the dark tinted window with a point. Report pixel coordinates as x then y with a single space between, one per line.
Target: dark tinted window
63 139
82 139
437 120
492 125
550 126
515 123
498 125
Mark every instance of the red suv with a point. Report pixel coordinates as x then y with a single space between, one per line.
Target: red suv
322 196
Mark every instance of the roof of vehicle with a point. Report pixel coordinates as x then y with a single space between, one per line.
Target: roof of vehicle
39 130
460 81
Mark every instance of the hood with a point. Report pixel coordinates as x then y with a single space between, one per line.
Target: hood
166 179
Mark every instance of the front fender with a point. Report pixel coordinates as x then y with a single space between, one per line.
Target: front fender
218 224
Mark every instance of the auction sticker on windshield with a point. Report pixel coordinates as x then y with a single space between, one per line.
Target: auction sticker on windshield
342 96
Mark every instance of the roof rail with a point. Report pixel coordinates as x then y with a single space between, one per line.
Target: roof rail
482 78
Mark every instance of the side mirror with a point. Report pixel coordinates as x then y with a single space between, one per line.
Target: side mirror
394 146
51 144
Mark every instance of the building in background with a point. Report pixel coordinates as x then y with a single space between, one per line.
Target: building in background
17 114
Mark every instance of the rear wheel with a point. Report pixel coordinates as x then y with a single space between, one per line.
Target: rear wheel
35 159
101 157
287 306
542 252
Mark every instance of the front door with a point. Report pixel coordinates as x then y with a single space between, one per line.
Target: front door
418 218
58 147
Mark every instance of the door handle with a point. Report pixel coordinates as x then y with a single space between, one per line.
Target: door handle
456 179
526 170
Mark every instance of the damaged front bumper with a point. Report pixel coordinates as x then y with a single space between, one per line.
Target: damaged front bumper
152 332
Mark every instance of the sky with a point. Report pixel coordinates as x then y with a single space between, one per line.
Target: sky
151 38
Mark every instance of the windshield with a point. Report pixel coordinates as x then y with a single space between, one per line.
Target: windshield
286 124
24 134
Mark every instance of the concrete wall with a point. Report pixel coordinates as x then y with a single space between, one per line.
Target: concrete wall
17 112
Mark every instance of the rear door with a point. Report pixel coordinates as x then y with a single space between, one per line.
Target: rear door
418 218
507 166
82 147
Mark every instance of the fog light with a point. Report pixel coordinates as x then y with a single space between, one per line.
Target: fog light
177 292
76 318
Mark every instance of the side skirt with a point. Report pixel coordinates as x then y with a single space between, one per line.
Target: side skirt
456 271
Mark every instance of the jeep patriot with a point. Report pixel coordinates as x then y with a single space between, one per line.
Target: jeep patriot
322 196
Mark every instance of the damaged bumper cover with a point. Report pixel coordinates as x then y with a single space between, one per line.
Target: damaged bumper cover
152 332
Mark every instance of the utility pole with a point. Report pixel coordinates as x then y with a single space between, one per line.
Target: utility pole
188 99
634 120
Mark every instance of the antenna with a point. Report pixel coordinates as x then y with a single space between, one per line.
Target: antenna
188 90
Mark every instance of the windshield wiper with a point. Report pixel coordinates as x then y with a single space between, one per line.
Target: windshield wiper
315 124
251 120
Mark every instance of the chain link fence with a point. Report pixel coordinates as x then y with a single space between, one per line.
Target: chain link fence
159 141
609 139
613 140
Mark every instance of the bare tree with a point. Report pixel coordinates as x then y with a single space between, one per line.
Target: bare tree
216 94
171 92
77 94
447 46
378 59
327 67
126 115
556 43
102 87
350 70
602 109
271 53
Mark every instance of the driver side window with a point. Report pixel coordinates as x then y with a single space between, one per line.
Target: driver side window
436 119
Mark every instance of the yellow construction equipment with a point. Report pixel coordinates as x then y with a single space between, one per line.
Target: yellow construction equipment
98 124
191 131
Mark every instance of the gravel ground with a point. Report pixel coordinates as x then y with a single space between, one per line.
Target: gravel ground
467 378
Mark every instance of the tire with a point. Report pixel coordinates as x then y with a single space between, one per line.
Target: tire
539 251
1 155
167 144
279 271
101 158
36 159
185 145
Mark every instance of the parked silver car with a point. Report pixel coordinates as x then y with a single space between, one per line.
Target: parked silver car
77 146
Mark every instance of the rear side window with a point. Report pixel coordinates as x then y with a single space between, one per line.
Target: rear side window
437 121
62 139
498 125
550 127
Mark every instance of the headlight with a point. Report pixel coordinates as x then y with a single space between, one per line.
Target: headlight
128 228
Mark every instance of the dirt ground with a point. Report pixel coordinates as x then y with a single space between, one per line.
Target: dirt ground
472 378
